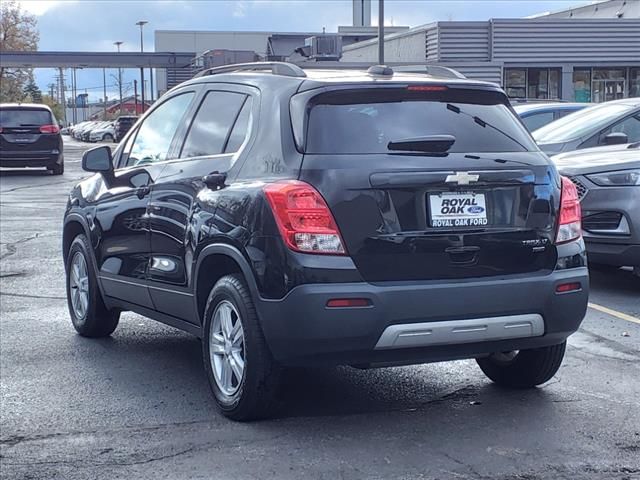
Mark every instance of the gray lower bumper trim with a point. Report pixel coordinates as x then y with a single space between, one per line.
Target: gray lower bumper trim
453 332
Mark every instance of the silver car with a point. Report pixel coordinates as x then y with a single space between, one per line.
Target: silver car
611 123
608 183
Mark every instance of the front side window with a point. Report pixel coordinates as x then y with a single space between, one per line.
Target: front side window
579 124
629 126
155 134
211 127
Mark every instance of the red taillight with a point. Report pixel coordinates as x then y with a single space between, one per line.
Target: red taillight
568 287
304 219
49 129
569 224
427 88
348 303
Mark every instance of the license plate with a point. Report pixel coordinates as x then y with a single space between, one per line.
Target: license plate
457 209
22 139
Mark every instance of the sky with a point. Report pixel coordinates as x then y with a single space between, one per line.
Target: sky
93 25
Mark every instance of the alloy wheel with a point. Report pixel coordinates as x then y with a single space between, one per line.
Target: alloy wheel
226 347
79 285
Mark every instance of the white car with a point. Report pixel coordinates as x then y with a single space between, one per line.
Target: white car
103 133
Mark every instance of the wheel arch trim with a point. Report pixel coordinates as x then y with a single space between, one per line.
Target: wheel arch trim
234 254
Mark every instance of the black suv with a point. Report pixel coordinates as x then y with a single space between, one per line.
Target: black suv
122 125
292 217
30 137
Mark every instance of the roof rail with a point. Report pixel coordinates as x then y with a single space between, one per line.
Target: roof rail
276 68
435 70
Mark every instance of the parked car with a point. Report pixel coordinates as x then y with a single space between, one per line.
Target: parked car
611 123
93 126
331 218
122 125
80 128
103 133
608 183
536 115
30 137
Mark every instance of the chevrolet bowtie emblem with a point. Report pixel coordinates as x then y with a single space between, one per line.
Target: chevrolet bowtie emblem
462 178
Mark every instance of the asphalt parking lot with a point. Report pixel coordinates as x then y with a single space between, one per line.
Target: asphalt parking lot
137 405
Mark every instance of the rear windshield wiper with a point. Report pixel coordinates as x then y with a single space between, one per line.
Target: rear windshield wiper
428 143
483 123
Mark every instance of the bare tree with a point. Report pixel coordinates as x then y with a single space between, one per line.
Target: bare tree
18 32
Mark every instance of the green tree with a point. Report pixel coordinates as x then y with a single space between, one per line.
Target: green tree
31 92
18 32
55 107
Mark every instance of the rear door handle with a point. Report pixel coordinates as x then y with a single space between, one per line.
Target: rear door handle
142 192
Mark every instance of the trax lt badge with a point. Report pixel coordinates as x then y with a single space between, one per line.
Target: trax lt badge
462 178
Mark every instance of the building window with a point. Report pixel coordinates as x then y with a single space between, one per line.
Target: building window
634 82
582 85
516 82
541 83
604 84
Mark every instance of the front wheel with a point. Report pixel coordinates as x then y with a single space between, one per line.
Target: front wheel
241 371
89 315
107 137
524 368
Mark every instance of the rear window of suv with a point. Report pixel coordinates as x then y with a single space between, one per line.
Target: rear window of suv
366 121
24 117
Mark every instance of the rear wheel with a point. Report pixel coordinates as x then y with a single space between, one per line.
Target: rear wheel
241 371
57 169
89 315
524 368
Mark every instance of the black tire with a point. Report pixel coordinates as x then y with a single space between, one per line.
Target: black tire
107 137
97 321
57 169
256 394
527 369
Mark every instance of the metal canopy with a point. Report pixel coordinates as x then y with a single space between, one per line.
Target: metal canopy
95 59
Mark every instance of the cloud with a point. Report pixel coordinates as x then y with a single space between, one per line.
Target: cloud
240 9
38 7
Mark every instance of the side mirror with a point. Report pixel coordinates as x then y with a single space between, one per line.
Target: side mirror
616 138
97 160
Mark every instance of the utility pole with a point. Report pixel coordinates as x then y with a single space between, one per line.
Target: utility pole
380 32
117 44
135 95
51 86
141 24
104 98
74 94
62 99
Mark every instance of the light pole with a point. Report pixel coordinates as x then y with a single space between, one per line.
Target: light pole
117 44
141 24
380 32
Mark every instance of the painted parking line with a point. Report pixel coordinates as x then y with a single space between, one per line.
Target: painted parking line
614 313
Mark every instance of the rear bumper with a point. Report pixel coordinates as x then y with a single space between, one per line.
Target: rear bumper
301 330
18 159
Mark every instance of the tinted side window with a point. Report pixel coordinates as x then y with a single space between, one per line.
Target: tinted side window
155 134
240 129
211 126
537 120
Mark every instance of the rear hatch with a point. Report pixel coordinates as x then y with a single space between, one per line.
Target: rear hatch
21 129
429 182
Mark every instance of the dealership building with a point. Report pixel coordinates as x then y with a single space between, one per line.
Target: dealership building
585 54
